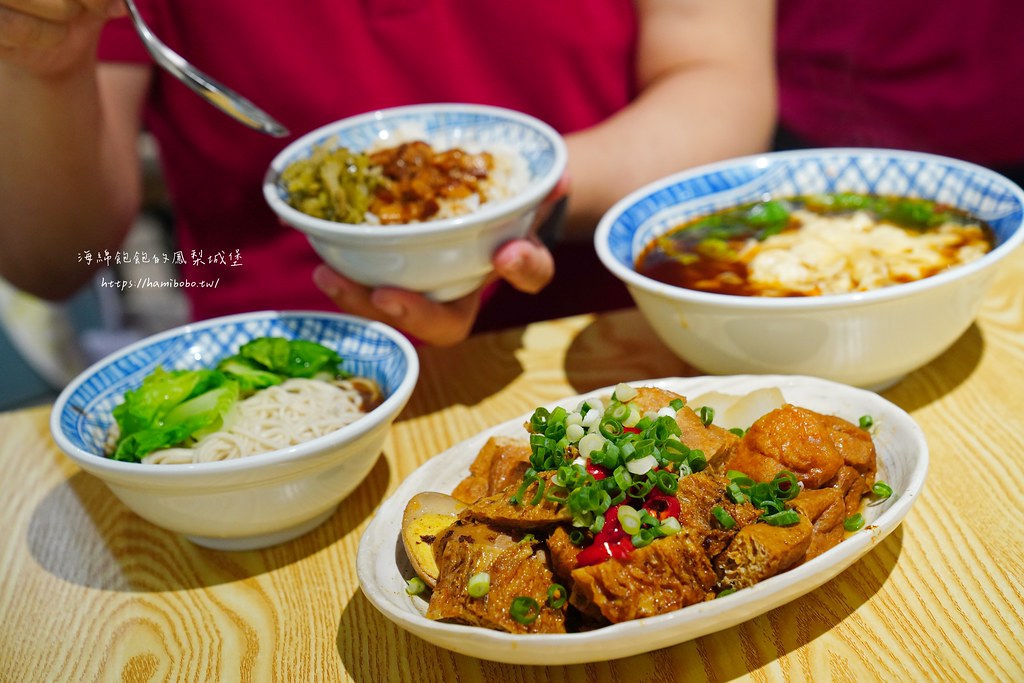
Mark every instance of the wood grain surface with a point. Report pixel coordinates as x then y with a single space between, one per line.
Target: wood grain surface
90 592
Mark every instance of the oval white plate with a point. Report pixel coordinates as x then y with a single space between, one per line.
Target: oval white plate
903 462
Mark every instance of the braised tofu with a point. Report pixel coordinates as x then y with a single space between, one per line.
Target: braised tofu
760 551
500 463
516 566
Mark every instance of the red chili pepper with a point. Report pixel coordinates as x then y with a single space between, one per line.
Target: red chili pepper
610 542
597 471
662 505
631 430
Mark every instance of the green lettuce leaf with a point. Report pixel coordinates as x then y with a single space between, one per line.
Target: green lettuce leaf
171 407
292 357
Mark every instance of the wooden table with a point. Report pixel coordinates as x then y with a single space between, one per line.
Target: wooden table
90 592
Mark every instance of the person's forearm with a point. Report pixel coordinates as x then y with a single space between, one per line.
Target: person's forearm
67 183
664 131
707 92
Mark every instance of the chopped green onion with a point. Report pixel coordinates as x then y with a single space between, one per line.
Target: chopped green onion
618 412
696 460
539 496
866 422
575 432
726 591
640 489
785 486
590 444
666 481
644 537
633 419
881 489
854 522
528 479
670 527
676 404
739 478
642 465
707 415
539 420
622 477
524 609
783 518
479 584
577 537
723 517
738 431
557 596
735 494
629 518
624 392
610 428
415 586
646 518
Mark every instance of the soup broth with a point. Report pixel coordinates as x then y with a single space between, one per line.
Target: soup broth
814 245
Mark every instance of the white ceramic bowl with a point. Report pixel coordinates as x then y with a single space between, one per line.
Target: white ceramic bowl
250 502
869 339
383 567
443 258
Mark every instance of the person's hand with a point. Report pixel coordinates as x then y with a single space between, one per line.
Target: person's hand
526 264
46 38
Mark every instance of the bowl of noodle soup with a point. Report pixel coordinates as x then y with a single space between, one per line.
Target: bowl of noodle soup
866 336
285 459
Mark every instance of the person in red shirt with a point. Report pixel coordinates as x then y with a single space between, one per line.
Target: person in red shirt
640 89
931 77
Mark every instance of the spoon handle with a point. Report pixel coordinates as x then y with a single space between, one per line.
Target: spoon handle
211 90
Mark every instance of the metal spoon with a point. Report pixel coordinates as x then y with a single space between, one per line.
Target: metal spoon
220 96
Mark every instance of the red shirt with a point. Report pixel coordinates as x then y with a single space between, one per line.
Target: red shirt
943 77
570 63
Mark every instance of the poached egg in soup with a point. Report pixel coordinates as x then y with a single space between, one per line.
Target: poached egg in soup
815 245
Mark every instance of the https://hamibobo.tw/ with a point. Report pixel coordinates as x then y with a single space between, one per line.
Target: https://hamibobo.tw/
159 283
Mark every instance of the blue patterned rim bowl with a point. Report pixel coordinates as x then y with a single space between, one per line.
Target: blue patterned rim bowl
869 339
248 502
444 258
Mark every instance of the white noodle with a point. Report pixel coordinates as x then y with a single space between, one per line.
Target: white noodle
287 414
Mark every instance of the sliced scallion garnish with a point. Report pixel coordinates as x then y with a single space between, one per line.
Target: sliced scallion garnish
557 596
854 522
524 610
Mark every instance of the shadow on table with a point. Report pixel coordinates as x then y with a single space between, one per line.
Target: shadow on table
79 535
940 377
372 649
469 375
620 347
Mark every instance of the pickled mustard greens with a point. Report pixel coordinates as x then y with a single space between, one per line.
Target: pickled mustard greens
335 184
409 182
